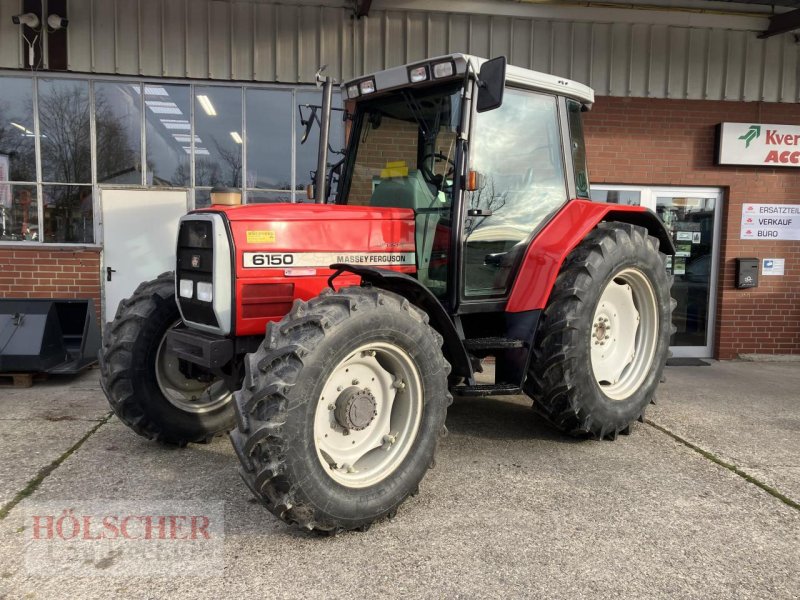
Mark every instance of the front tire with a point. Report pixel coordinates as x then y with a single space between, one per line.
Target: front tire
341 409
603 338
143 381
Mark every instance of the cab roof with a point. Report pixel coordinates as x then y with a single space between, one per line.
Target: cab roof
517 76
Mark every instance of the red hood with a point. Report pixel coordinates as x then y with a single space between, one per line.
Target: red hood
308 212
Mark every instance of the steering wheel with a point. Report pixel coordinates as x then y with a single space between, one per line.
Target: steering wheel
431 177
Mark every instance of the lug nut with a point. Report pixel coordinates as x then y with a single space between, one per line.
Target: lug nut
355 381
346 432
331 407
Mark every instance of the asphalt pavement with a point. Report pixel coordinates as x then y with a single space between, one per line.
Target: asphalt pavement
700 501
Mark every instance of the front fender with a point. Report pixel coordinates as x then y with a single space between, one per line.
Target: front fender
421 297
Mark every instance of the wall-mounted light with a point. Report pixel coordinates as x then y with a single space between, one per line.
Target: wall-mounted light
236 137
27 19
56 22
205 102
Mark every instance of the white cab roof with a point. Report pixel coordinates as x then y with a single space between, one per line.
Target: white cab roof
516 76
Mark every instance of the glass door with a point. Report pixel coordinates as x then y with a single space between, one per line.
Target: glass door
692 216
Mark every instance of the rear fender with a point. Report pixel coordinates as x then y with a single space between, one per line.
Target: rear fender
548 250
422 298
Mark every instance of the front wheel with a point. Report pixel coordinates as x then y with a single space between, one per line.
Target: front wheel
341 409
147 386
604 336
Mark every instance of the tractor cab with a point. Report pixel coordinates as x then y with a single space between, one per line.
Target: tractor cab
482 153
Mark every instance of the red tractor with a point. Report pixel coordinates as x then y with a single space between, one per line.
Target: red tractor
460 228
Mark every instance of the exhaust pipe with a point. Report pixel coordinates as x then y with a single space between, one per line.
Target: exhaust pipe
321 182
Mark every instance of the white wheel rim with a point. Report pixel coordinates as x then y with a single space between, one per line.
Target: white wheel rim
189 395
624 334
361 456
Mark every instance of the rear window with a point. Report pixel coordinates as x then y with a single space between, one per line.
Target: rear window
578 148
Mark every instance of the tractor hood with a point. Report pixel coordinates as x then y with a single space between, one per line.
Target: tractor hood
308 212
283 252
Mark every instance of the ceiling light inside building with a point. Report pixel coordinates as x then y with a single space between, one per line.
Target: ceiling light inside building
236 137
163 107
155 90
205 102
22 128
176 124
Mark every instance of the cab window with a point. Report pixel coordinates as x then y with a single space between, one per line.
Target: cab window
517 151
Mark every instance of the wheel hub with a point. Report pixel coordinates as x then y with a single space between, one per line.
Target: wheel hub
355 408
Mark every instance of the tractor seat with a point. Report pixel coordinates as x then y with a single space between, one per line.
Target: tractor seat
410 191
413 192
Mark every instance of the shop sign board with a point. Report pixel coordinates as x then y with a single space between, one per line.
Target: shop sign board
770 222
760 144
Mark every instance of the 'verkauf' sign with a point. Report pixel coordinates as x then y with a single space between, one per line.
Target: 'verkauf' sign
759 144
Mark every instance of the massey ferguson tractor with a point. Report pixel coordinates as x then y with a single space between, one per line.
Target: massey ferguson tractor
329 337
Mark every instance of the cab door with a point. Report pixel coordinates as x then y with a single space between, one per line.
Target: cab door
518 152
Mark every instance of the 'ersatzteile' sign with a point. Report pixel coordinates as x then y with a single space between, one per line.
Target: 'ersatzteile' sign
759 144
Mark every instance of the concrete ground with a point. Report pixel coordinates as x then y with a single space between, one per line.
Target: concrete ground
701 502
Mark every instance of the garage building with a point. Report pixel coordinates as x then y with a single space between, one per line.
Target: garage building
117 121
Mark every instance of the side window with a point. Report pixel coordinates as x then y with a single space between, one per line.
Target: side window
517 151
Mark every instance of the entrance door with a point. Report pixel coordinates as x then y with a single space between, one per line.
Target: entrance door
139 231
692 216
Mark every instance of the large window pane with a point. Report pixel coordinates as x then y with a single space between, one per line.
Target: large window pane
68 214
19 213
167 135
218 141
64 129
118 113
269 139
307 153
17 144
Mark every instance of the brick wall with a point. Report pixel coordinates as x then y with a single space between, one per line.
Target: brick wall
37 272
672 142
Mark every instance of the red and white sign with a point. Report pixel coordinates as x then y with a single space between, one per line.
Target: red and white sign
770 222
759 144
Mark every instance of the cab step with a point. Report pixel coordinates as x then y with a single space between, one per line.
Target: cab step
487 389
493 343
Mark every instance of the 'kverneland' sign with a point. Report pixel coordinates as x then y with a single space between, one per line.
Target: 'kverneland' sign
759 144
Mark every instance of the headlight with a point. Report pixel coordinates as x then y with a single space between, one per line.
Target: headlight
443 69
204 291
418 74
367 86
186 288
352 91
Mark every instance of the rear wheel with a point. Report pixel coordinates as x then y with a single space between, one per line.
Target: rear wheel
604 337
144 381
341 409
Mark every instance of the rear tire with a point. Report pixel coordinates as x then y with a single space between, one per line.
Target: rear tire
142 381
603 338
343 355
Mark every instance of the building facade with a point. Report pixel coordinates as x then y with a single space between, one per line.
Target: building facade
163 99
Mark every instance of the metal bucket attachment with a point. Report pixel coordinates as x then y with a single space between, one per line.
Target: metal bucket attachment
43 335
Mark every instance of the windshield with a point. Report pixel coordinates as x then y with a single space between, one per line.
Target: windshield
405 153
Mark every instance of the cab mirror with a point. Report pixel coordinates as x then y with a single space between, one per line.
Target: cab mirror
492 78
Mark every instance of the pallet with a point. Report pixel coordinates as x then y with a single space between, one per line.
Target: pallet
20 380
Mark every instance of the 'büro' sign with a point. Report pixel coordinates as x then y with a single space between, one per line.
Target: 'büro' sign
759 144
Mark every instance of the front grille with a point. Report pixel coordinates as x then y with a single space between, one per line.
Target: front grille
195 262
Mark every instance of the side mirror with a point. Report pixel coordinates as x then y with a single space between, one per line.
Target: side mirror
492 78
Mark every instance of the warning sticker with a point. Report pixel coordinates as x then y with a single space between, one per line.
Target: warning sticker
261 236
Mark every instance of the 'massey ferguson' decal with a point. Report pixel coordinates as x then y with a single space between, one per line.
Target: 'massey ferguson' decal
261 260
